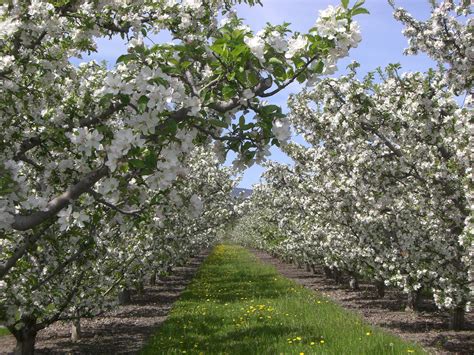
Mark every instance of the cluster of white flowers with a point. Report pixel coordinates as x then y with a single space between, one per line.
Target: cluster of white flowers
281 129
123 141
257 46
445 38
85 140
295 46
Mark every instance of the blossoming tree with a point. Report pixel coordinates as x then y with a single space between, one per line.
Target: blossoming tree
384 189
86 150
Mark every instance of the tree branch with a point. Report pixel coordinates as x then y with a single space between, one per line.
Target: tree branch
25 222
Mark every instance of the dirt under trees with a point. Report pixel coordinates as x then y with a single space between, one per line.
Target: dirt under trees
126 330
123 331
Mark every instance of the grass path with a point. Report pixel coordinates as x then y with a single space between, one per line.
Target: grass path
238 305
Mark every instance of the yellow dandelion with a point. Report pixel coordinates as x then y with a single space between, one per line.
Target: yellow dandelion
410 351
368 333
312 343
321 341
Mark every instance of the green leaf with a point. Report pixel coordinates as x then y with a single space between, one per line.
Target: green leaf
279 72
238 50
142 103
185 64
171 127
345 3
270 109
125 58
359 11
275 60
137 163
319 67
106 99
301 78
252 79
124 99
228 92
359 3
241 121
218 48
299 63
217 123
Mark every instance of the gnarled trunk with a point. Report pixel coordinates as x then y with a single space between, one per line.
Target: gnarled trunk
76 329
25 338
153 279
140 287
337 275
327 272
380 287
124 296
456 318
353 282
413 302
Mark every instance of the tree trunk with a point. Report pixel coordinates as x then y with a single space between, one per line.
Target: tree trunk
124 296
153 279
299 265
413 302
327 272
308 267
76 329
337 276
456 318
380 287
313 268
140 287
353 282
25 341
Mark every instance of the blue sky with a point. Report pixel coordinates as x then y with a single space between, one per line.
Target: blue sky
382 43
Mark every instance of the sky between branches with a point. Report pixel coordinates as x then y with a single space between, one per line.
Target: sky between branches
382 43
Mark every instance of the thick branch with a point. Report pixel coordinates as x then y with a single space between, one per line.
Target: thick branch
20 251
23 223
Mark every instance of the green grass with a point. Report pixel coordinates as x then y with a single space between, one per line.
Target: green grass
4 331
238 305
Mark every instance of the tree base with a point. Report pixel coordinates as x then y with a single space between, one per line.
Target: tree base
456 318
124 297
380 288
76 330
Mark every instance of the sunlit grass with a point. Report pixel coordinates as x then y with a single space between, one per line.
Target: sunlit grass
4 331
238 305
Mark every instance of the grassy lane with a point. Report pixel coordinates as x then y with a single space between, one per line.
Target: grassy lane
238 305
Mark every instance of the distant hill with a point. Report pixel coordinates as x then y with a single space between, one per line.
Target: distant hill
240 192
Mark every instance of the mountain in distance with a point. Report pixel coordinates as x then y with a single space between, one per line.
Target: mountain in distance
241 192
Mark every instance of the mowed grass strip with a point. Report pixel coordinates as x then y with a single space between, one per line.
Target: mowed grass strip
238 305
